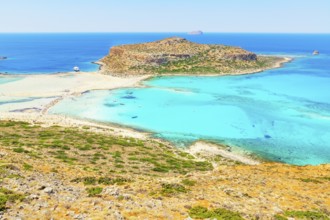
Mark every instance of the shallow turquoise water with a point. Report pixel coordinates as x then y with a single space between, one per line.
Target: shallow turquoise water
7 79
281 115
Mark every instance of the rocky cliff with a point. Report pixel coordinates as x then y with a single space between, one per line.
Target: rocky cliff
178 55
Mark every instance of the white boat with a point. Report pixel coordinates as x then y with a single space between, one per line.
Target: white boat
76 69
316 52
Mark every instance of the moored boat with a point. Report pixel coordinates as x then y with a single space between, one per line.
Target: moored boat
76 69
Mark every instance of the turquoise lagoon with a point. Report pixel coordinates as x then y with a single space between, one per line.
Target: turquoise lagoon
8 79
281 114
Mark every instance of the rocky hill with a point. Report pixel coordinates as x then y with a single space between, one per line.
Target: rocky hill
178 55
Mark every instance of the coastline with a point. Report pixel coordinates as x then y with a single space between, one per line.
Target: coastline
202 150
56 87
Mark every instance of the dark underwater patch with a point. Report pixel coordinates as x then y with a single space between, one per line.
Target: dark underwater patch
128 97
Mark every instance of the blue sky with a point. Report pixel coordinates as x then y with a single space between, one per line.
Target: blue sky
283 16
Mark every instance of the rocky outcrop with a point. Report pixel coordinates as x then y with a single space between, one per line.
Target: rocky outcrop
178 55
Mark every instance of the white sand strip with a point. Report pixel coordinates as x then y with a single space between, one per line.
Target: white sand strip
208 149
61 84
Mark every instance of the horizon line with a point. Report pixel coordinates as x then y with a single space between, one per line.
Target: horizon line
159 32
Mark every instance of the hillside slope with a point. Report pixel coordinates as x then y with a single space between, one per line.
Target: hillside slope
76 173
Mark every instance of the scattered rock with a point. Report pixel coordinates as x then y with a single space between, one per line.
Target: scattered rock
118 215
48 190
80 216
112 191
3 154
33 197
187 206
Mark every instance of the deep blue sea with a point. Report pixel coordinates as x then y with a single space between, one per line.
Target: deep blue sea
281 114
53 53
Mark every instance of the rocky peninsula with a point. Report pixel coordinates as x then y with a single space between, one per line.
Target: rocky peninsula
179 56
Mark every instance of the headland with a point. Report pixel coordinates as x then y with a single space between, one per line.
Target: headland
181 57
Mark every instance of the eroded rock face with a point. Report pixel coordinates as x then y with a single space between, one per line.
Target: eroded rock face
176 55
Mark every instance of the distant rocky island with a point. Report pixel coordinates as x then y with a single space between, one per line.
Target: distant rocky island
179 56
196 33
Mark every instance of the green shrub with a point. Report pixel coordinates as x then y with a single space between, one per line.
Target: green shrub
9 196
325 178
188 182
308 180
101 180
95 191
19 150
27 166
280 217
200 212
226 214
161 169
89 180
308 215
169 189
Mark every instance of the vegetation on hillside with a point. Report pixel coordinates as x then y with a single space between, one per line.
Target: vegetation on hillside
78 173
106 153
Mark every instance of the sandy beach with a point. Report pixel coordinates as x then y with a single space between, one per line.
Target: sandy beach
37 93
65 83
